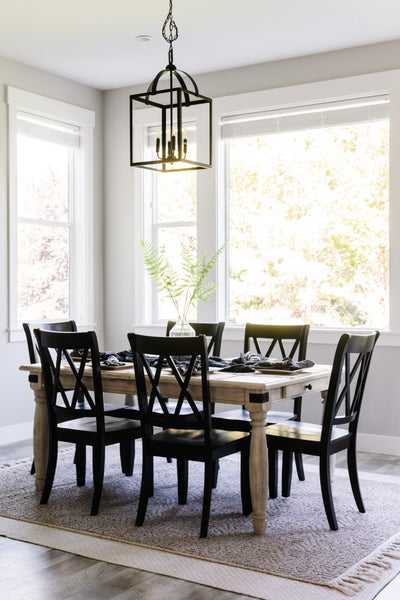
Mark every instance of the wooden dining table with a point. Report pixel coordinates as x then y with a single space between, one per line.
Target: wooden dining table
256 391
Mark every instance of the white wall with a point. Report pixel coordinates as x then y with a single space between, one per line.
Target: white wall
380 421
16 399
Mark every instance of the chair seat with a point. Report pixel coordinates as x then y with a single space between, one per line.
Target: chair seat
239 419
88 424
122 410
196 437
302 431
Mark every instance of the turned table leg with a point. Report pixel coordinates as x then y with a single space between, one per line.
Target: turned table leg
258 471
40 438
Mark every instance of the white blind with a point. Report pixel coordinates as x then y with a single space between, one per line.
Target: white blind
189 130
48 130
341 112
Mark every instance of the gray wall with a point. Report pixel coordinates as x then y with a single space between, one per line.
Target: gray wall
16 398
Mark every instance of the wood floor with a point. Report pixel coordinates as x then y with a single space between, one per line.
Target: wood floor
30 572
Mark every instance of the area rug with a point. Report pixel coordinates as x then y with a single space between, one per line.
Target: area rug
298 551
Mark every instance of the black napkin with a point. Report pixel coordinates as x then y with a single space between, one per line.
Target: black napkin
286 364
250 362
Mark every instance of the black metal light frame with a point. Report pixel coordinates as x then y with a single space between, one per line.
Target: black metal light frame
173 102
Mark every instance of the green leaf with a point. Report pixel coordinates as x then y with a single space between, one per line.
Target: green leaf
191 285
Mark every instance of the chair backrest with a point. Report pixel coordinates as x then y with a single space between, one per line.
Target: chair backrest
29 328
212 331
289 341
152 355
56 350
347 382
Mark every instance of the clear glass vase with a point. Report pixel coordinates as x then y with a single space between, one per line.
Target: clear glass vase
182 328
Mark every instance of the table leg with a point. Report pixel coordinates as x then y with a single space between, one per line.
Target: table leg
129 400
40 438
258 471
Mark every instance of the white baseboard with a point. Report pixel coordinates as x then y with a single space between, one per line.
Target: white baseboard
16 433
379 444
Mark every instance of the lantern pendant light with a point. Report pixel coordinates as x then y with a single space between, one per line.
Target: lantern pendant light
183 115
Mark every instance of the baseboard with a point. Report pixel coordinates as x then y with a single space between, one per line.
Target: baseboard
16 433
378 444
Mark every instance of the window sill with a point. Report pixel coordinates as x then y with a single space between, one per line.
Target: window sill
318 335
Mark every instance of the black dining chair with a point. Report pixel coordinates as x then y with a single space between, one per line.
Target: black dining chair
213 332
278 341
185 439
50 326
69 421
32 350
340 421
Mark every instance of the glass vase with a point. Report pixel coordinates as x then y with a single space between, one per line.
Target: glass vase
182 328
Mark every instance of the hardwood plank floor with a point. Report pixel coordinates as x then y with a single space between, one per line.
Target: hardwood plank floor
31 572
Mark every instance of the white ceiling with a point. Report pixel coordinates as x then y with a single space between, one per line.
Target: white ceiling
94 41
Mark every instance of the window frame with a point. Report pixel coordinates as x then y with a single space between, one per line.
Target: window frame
212 183
81 210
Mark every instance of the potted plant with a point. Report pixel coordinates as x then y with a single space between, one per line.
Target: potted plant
185 289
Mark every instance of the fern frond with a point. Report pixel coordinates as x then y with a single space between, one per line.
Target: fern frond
191 285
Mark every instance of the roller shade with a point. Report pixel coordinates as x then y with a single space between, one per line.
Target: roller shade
330 114
48 130
189 128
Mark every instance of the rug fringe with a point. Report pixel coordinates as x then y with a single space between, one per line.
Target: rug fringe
369 570
28 461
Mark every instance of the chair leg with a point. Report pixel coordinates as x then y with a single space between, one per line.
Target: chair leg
127 456
326 489
299 466
50 472
183 475
98 476
287 468
80 464
208 486
247 507
216 470
146 489
273 472
353 474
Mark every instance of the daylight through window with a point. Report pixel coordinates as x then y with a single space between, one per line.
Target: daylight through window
308 215
50 210
44 173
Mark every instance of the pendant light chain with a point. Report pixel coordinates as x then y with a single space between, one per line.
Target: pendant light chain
173 32
178 105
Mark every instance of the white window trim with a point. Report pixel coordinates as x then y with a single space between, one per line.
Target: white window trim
82 253
211 187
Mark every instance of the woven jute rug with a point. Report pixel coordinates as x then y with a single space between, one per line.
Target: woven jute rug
298 557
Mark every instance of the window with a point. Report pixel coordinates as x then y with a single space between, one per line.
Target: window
308 214
171 215
301 192
174 223
50 202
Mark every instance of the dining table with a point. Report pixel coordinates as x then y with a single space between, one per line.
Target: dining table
256 391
